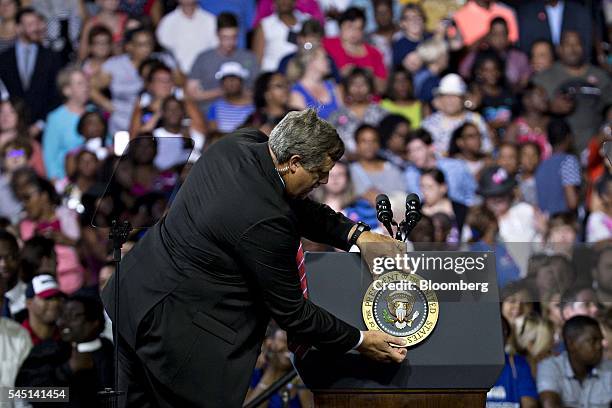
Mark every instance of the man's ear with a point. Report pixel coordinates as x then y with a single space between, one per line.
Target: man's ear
294 163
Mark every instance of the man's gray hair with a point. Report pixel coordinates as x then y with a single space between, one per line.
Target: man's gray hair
305 134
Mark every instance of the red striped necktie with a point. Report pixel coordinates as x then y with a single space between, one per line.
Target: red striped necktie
299 258
300 349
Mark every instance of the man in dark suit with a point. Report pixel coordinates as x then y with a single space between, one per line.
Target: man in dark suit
28 70
547 19
199 289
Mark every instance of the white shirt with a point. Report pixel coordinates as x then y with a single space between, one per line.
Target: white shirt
555 19
276 35
186 37
171 149
15 345
517 230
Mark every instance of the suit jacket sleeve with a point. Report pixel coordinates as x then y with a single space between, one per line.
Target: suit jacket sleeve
318 222
267 251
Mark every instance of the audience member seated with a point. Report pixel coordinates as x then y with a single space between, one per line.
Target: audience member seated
385 31
558 177
120 75
602 276
496 98
579 301
350 50
11 283
229 112
519 223
451 113
15 342
100 48
43 301
172 134
533 121
422 156
413 33
466 145
515 303
312 32
339 194
515 385
579 376
108 17
274 36
516 68
8 29
508 158
599 224
202 85
47 217
484 230
435 200
81 360
399 98
186 32
433 53
271 98
358 109
307 70
541 56
29 70
529 159
576 89
14 155
370 174
61 134
474 19
394 130
535 340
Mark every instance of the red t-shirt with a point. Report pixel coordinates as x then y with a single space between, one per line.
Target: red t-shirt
372 60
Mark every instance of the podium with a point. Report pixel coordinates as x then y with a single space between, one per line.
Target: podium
454 366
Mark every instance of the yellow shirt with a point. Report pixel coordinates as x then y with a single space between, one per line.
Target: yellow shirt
412 112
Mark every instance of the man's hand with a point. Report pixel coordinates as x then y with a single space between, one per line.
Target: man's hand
376 346
373 245
80 361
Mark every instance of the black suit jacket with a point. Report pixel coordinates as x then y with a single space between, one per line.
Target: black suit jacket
42 96
198 290
534 25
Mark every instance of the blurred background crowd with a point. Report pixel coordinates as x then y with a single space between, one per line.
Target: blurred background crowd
495 113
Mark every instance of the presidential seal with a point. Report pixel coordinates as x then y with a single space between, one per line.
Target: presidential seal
395 304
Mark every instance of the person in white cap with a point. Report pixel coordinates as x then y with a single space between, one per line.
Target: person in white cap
229 112
43 300
452 112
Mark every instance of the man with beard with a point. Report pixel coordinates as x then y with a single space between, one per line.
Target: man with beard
576 89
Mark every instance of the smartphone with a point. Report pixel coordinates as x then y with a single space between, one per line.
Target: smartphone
120 141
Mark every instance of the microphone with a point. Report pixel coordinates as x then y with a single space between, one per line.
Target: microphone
384 214
413 210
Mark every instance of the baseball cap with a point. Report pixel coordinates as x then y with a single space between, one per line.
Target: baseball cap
232 68
43 286
451 84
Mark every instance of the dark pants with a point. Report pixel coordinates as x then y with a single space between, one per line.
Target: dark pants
140 387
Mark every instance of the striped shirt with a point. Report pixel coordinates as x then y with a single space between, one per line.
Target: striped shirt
229 116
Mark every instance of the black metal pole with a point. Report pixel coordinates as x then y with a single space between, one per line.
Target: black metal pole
277 385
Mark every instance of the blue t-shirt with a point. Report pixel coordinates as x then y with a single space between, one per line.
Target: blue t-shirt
552 175
403 46
227 115
324 110
506 268
512 384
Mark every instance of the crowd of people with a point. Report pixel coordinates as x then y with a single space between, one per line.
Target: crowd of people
494 113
